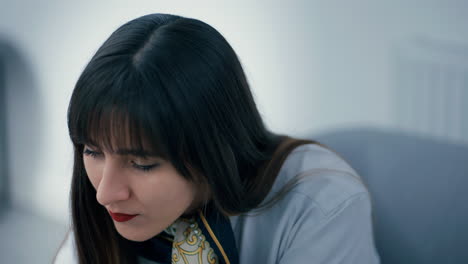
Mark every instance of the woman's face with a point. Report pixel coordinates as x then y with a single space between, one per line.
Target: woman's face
149 188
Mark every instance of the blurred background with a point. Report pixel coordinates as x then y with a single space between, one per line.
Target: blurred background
313 66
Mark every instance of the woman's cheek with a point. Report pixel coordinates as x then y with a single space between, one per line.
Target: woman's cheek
92 170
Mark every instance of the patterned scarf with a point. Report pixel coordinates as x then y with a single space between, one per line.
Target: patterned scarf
205 238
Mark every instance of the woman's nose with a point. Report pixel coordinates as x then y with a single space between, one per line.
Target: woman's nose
113 186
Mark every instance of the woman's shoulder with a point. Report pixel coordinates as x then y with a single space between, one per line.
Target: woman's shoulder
326 195
316 177
323 177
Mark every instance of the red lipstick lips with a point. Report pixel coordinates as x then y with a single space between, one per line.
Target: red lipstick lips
121 217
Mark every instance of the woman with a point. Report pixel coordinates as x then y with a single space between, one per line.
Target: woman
173 163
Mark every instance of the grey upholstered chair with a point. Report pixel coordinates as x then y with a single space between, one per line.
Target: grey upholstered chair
420 193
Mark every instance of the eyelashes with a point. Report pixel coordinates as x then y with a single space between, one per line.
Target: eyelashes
144 168
91 153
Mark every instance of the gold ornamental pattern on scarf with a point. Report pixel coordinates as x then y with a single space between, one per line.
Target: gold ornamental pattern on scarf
190 245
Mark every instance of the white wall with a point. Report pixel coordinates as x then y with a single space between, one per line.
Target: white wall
312 65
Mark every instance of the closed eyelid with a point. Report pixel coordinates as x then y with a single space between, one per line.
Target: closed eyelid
90 152
145 168
145 160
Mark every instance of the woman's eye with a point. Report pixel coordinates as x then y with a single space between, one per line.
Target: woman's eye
144 167
91 153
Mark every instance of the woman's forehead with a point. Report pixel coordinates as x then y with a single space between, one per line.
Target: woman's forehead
118 130
122 144
114 128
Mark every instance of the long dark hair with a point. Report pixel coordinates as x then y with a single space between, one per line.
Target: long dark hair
173 87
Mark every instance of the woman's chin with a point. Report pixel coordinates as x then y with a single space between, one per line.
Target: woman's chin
137 235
